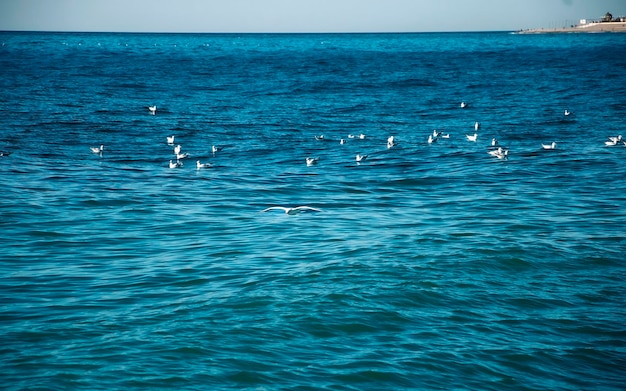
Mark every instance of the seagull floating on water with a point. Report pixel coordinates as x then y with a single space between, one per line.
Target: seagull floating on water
549 146
311 161
215 149
500 153
431 139
391 142
202 165
177 149
567 113
342 141
292 211
476 126
170 140
176 164
320 137
472 137
463 105
494 142
436 133
4 153
97 150
180 156
360 158
152 109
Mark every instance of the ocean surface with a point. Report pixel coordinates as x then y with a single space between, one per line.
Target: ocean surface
428 267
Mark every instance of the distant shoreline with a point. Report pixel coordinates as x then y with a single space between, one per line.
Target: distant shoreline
601 27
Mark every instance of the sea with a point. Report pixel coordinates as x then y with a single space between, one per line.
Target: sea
426 266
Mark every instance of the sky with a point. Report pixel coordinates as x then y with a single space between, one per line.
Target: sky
244 16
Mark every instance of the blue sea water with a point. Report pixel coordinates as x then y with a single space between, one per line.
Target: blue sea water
430 266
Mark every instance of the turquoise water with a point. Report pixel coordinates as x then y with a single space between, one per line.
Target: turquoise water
430 266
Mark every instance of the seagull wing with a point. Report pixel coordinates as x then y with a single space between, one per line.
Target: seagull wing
305 208
274 208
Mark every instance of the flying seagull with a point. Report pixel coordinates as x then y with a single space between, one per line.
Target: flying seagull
292 211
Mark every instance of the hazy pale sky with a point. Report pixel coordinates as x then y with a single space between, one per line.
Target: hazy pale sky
298 15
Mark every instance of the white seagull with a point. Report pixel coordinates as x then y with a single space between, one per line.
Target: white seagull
311 161
202 165
215 149
436 133
176 165
170 140
549 146
342 141
567 112
292 211
616 139
500 153
431 139
463 105
152 109
97 150
494 142
391 142
360 158
320 137
177 149
476 126
180 156
472 137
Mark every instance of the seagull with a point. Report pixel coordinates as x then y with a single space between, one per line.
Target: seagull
180 156
360 158
4 153
567 112
152 109
549 146
463 105
202 165
311 161
447 135
500 153
391 142
97 150
616 139
170 140
176 165
436 133
362 136
476 126
320 137
215 149
431 139
293 211
472 137
177 149
494 142
342 141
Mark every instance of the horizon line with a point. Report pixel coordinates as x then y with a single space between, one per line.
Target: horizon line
253 32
